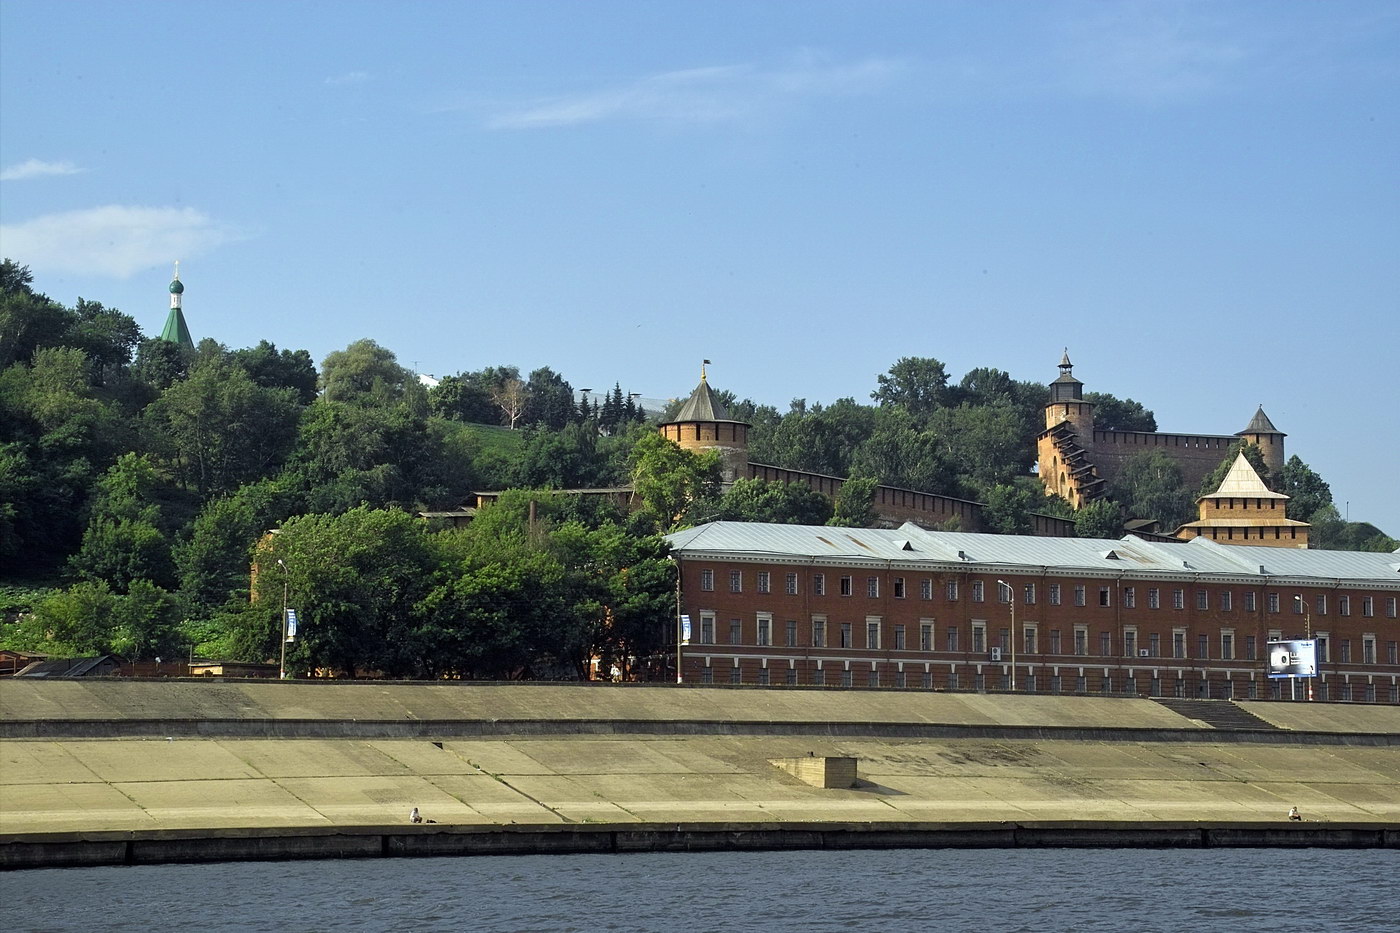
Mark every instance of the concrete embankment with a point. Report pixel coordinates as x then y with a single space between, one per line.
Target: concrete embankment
128 772
72 850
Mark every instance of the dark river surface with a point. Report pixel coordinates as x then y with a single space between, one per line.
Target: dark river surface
804 892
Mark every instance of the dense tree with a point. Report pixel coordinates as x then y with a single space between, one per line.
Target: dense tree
357 578
1308 492
667 480
1100 519
1008 509
855 503
217 429
900 453
287 369
364 372
1115 414
757 500
569 458
549 400
916 384
124 541
987 443
1150 485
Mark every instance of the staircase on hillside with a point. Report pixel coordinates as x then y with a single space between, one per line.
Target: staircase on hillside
1218 714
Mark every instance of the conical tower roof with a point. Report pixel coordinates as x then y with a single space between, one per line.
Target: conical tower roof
1260 424
175 330
703 405
1243 483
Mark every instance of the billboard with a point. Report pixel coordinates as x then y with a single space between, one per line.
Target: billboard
1297 658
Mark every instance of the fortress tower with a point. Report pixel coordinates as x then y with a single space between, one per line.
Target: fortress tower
1244 511
1261 432
1078 460
703 423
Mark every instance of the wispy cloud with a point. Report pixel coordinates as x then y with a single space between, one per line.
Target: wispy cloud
115 240
725 93
1149 51
37 168
349 77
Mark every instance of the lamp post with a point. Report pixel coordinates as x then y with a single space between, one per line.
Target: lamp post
1307 633
286 579
1011 601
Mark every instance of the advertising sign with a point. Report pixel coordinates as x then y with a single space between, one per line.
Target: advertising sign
685 630
1297 658
291 625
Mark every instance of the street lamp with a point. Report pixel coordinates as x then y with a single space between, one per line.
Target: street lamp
286 579
1011 601
1307 633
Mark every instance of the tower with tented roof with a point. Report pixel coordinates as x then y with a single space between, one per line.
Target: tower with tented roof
703 423
176 331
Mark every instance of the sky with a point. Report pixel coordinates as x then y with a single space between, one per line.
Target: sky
1200 200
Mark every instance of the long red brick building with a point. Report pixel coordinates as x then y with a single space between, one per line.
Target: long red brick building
907 607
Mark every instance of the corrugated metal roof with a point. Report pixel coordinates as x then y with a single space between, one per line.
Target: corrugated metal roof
1242 482
911 544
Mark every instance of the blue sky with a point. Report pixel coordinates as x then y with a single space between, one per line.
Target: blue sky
1201 200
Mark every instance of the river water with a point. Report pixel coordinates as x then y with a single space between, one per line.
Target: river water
944 890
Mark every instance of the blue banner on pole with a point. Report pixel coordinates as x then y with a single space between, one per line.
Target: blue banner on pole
291 625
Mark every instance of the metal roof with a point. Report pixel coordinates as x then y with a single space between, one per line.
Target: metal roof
1243 483
910 544
1260 424
703 405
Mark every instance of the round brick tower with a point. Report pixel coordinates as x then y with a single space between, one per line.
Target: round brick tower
1261 432
703 423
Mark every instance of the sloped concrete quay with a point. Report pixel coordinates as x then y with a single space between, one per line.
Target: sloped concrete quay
1062 771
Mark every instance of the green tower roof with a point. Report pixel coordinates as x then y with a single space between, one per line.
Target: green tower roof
175 329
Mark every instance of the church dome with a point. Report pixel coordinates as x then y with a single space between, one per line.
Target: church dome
177 287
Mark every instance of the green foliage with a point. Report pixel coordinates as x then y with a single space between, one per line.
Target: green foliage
289 369
1307 491
1100 519
667 480
1008 509
356 579
916 384
1115 414
1150 485
364 373
88 618
855 503
757 500
218 429
123 542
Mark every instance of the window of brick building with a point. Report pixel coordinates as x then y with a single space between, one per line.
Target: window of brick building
735 631
1343 605
1368 606
925 636
763 578
899 638
818 584
736 581
1054 641
792 584
707 580
1203 646
1178 598
1105 644
1154 598
792 633
765 629
952 638
950 590
1202 599
1105 596
819 633
1227 601
1081 640
846 640
1249 602
1273 602
845 586
1028 594
978 591
1079 595
1054 594
872 587
926 589
979 637
872 635
1129 597
898 587
707 630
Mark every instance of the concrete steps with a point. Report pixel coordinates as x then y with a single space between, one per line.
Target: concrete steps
1218 714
